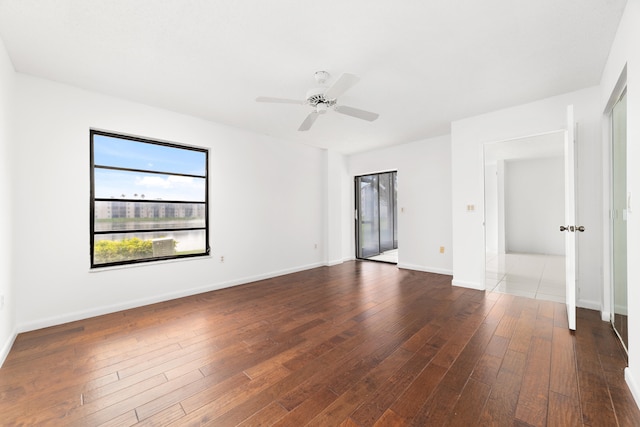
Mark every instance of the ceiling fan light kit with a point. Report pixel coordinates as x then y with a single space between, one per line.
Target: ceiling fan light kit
322 98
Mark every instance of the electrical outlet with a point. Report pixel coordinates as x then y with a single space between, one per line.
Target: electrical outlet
315 246
222 258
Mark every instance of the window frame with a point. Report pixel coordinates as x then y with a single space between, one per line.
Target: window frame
93 200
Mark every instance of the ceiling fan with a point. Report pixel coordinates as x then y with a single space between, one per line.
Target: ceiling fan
323 98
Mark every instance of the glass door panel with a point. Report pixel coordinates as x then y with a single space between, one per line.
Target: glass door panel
386 211
368 216
394 176
619 217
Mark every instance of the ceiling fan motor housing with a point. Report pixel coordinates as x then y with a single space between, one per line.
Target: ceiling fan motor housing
315 97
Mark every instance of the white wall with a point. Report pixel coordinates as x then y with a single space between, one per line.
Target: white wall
267 206
491 194
547 115
424 200
336 204
625 52
7 311
534 205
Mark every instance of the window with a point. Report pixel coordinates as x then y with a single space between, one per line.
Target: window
148 200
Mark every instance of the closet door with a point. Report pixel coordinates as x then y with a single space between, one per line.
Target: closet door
619 217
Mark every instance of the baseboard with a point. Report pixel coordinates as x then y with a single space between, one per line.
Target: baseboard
6 348
591 305
621 309
334 262
470 285
426 269
99 311
605 316
633 385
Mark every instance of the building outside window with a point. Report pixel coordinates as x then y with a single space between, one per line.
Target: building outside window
149 200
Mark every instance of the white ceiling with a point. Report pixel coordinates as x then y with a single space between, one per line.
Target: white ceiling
422 63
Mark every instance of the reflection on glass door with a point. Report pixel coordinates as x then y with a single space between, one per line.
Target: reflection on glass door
619 217
368 216
376 222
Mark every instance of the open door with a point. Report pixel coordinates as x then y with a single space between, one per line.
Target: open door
570 218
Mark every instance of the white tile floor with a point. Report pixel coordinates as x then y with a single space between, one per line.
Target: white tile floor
528 275
387 256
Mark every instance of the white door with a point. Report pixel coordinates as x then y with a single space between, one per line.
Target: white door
570 229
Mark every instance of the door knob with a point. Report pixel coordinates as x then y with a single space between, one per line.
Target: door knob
580 228
564 228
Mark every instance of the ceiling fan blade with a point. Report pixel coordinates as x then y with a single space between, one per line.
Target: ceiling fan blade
340 86
356 112
306 125
279 100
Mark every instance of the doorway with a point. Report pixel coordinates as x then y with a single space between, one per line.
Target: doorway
619 217
376 217
524 205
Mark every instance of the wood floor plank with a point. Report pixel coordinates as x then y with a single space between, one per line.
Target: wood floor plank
267 416
439 406
390 419
356 344
412 399
309 409
127 419
534 394
500 408
595 400
563 377
470 404
351 399
624 403
162 418
563 410
379 400
100 413
193 395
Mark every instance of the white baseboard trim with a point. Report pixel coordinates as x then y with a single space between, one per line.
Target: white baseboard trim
591 305
605 316
6 348
621 309
471 285
334 262
99 311
426 269
633 385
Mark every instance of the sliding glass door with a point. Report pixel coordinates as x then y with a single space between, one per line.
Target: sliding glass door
376 214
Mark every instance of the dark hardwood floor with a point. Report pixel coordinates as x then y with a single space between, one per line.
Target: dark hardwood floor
358 344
